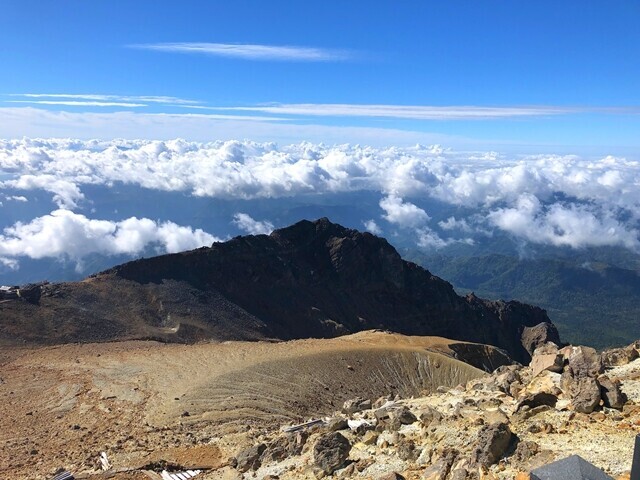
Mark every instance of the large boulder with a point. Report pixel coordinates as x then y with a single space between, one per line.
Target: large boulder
552 362
331 452
584 393
582 366
620 356
582 361
533 337
612 395
492 443
542 390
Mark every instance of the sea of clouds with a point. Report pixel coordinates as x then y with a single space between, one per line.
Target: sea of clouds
564 201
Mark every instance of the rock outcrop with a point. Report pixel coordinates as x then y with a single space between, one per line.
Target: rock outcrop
485 429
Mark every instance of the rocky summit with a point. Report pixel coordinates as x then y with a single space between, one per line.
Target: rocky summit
312 279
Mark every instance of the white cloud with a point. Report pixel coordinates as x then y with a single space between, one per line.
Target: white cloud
9 263
403 214
571 201
17 198
429 239
575 226
65 234
67 194
452 223
250 51
372 227
110 98
415 112
43 123
253 227
80 103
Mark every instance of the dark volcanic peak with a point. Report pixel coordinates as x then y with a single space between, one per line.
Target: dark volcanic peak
312 279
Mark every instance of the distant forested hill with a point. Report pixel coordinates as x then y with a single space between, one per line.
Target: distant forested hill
591 303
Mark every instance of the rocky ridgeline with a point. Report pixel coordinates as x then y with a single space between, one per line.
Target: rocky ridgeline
567 401
309 280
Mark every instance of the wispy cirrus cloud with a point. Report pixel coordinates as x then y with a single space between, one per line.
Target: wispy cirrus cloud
105 98
251 51
79 103
427 112
98 100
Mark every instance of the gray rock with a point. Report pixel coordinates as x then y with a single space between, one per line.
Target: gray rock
403 415
578 382
251 458
355 405
573 467
337 423
382 414
491 444
534 337
611 393
407 450
331 451
584 393
286 446
582 361
524 451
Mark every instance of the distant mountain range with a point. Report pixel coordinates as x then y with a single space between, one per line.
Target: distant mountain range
312 279
593 303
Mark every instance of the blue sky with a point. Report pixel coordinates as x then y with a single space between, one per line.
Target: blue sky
512 76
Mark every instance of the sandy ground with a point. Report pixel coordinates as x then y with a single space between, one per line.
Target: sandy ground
194 405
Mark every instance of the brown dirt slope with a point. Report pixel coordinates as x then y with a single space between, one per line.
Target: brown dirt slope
141 401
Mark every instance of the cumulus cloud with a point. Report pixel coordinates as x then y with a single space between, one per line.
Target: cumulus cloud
453 223
65 234
9 263
571 201
401 213
253 227
372 227
575 226
66 193
430 240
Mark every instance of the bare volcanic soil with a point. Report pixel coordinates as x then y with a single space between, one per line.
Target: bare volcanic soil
309 280
144 401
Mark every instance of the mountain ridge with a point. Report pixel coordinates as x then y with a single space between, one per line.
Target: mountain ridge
311 279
